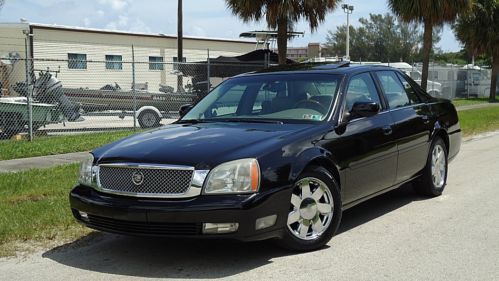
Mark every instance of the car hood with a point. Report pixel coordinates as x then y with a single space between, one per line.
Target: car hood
201 145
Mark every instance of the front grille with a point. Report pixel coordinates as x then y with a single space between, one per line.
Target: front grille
138 181
143 228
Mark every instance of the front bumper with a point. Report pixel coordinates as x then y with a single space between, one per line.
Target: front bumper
182 217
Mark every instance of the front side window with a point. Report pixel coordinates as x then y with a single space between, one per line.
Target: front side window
114 62
393 88
361 88
77 61
304 97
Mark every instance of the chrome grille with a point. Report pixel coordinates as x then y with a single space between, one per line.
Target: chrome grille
145 181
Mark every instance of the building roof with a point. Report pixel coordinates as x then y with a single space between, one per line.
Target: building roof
120 32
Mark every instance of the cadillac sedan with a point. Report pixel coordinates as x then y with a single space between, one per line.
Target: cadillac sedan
273 154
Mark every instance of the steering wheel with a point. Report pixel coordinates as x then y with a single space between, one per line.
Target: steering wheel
311 104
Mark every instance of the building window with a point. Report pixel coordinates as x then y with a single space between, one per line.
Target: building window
114 62
77 61
175 66
155 63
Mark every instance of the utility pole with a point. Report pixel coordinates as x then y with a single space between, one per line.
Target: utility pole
348 9
180 46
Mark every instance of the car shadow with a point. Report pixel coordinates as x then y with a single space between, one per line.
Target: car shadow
181 259
377 207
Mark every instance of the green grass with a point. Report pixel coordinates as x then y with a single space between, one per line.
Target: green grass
470 101
480 120
34 206
50 145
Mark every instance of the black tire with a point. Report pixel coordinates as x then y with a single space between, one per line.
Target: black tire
289 239
149 119
425 185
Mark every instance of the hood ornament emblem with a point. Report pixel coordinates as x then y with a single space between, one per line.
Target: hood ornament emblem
138 178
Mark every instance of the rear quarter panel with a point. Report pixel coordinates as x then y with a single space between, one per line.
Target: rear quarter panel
448 120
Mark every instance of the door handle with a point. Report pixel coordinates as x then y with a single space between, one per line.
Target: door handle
387 130
425 118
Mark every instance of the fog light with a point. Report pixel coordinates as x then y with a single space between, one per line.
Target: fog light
265 222
83 215
219 228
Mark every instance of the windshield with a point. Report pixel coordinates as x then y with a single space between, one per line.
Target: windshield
276 97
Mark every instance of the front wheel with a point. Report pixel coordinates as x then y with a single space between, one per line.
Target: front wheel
314 212
434 178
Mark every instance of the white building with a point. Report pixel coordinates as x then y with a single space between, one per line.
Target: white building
91 58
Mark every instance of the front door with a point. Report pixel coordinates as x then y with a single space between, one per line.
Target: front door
366 149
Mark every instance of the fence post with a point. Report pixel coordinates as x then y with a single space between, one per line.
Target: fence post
29 91
133 91
208 74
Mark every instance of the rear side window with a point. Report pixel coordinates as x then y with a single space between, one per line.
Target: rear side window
409 90
361 88
393 88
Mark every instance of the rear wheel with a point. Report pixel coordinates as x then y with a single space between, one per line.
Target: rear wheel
314 212
434 178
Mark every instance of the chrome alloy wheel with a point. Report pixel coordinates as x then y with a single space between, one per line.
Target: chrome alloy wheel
311 210
438 166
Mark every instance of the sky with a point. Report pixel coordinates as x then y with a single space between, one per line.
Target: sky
207 18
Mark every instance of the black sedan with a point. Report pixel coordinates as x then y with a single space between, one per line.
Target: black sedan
273 154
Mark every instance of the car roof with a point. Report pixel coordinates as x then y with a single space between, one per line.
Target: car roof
319 68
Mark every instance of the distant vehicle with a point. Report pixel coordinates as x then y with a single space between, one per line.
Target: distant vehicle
149 106
14 115
49 105
433 88
277 153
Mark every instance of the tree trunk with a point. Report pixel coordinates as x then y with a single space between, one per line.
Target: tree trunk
493 82
427 44
180 45
282 39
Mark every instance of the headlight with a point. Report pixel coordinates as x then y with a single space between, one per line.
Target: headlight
239 176
88 172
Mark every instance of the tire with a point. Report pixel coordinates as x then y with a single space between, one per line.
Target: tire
149 119
434 177
305 211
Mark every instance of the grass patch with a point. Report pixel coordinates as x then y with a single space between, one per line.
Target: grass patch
34 206
50 145
470 101
480 120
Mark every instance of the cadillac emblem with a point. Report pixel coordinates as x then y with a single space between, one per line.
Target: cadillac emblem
138 178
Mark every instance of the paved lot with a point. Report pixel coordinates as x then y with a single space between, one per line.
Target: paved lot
398 236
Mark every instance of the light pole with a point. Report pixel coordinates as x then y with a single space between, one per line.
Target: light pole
348 9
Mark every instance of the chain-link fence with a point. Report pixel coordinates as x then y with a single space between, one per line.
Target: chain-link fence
452 81
63 89
54 96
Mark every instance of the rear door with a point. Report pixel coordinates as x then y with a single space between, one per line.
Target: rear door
411 118
366 147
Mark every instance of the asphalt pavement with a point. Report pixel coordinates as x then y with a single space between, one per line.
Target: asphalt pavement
397 236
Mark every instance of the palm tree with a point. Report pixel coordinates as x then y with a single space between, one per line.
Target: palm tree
282 14
478 30
430 13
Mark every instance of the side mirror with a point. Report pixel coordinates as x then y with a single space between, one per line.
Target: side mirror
184 109
364 109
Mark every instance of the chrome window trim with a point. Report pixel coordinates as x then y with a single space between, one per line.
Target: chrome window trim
193 190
